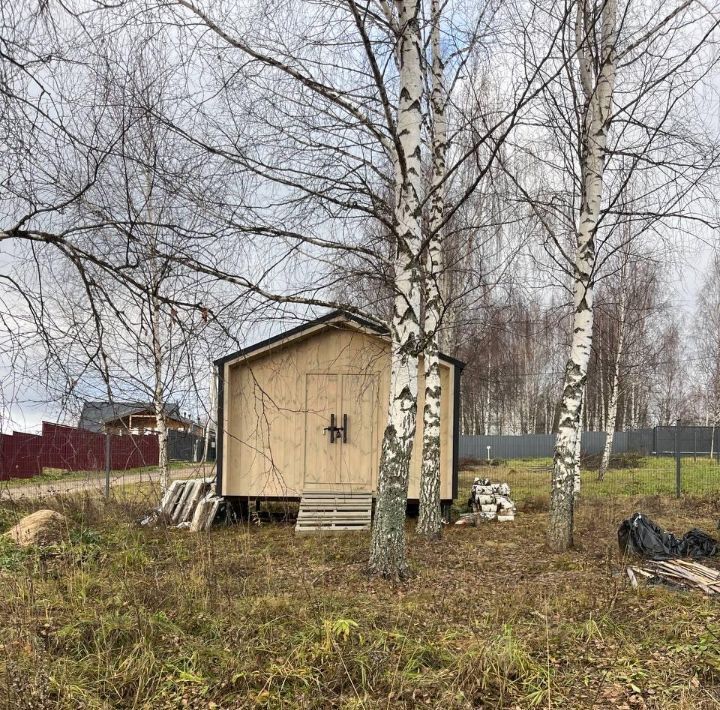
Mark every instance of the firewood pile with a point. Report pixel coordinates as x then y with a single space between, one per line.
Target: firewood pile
678 573
188 504
489 501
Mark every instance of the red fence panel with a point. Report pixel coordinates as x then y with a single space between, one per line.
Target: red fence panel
27 455
72 449
7 456
133 451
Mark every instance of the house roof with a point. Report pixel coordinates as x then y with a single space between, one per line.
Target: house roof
95 414
338 317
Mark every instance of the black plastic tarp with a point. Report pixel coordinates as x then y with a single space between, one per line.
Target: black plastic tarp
638 535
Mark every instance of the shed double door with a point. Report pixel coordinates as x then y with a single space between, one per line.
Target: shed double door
346 463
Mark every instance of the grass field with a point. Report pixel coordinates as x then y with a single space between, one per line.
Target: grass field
124 617
644 476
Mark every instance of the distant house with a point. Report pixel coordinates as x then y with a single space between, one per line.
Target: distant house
133 418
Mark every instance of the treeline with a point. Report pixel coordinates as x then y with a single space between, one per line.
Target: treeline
651 362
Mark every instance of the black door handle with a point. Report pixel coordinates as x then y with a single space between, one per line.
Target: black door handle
332 429
335 430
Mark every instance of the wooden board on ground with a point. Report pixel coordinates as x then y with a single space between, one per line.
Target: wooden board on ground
679 572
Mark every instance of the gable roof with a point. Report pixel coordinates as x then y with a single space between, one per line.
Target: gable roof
95 414
338 317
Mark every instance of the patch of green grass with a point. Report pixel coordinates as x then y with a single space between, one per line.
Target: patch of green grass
651 476
11 556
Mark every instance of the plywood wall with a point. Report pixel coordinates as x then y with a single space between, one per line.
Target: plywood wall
270 437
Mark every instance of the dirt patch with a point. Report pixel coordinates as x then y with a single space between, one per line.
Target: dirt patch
617 461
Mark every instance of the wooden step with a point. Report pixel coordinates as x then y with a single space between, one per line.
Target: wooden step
328 511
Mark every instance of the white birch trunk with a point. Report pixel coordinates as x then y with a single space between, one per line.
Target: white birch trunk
712 441
488 399
614 395
430 517
578 449
387 549
601 398
596 120
158 396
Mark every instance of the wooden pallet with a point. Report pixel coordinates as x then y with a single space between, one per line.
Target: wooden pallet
190 503
320 511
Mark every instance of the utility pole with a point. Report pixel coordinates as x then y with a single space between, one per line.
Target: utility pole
211 417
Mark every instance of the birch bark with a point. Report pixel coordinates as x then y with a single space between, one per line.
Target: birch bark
614 394
601 399
578 448
387 548
712 441
155 305
488 398
158 395
430 520
597 87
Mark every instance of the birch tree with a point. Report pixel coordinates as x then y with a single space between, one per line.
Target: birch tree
614 392
595 28
387 552
601 137
429 522
707 332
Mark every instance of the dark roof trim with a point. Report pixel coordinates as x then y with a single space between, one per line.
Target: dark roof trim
337 315
220 433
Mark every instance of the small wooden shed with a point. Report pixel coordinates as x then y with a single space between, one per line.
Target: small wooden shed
305 412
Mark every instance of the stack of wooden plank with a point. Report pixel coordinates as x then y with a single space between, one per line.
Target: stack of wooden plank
190 503
683 573
334 512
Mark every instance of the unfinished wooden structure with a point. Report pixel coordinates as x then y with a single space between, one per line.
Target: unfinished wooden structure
302 414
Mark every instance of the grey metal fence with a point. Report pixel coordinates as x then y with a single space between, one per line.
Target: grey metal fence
659 441
185 446
690 440
531 446
673 461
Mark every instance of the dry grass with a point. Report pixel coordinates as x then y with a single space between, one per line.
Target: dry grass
123 617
